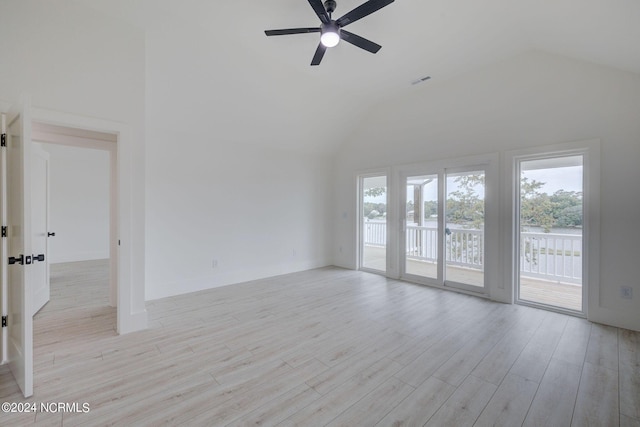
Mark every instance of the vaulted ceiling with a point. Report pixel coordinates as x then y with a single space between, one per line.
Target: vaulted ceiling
211 68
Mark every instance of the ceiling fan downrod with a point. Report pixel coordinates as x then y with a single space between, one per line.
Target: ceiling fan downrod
330 6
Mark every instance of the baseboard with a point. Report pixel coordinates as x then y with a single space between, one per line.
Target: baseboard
613 318
133 322
80 256
227 278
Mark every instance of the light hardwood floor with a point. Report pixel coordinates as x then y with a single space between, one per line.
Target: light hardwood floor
324 347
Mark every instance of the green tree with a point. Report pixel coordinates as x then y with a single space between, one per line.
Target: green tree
535 206
375 191
430 208
464 206
567 208
409 205
368 207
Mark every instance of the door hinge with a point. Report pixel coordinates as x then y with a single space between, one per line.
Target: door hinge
4 321
18 260
4 231
4 139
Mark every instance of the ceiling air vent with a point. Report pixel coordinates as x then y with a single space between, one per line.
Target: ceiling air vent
420 80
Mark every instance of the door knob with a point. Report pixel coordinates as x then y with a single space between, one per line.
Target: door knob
51 234
39 257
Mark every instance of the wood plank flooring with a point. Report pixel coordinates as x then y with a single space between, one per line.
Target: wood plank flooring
323 347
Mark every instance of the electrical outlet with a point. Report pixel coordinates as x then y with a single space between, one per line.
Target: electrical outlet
626 292
214 263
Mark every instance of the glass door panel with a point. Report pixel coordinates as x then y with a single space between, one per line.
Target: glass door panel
550 232
373 208
421 215
464 228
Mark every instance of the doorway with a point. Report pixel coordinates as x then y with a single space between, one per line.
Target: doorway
444 227
93 155
464 233
422 246
127 278
551 240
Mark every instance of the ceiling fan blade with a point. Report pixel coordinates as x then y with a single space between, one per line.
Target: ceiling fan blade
291 31
361 11
319 54
318 7
361 42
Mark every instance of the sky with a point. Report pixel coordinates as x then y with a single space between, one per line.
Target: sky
567 178
559 178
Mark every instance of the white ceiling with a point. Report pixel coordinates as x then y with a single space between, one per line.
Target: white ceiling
210 66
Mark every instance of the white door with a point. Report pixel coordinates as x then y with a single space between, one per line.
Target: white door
18 259
40 226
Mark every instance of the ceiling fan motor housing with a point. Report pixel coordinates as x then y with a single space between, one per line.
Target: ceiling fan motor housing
332 29
330 6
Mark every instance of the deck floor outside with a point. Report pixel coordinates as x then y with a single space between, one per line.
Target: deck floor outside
564 295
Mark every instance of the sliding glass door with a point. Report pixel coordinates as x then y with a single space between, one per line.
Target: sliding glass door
444 219
421 219
464 228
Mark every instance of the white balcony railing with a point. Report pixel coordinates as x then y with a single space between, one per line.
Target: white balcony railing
549 256
375 233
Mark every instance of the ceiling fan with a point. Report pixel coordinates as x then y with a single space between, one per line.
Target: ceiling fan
331 30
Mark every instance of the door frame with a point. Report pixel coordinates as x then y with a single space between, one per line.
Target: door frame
89 140
484 167
129 298
360 177
590 150
37 150
402 235
490 164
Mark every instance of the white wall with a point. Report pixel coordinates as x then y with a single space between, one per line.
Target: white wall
72 59
258 212
79 203
531 100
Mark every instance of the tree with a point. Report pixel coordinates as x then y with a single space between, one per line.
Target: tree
464 206
535 206
373 214
378 208
375 191
567 208
430 208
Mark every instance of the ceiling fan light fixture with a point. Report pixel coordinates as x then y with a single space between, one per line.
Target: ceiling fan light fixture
331 30
330 35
